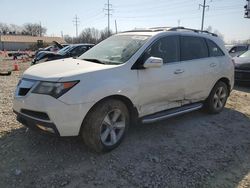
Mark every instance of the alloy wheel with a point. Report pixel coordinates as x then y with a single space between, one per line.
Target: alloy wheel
220 97
113 127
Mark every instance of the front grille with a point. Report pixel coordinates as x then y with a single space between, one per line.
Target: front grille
35 114
23 91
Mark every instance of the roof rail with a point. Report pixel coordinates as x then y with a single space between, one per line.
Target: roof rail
194 30
147 30
155 29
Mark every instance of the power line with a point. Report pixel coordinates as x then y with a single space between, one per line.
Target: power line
204 6
108 9
76 23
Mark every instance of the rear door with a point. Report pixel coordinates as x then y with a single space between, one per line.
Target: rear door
198 68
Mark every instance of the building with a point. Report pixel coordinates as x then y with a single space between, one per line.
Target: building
23 42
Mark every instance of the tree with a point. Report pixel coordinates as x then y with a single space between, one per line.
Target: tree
89 35
104 34
68 39
34 29
4 28
15 29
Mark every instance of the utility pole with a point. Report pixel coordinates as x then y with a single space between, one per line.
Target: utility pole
40 28
108 9
179 23
115 27
204 6
76 23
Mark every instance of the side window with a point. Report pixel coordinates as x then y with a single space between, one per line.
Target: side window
166 48
78 51
241 48
81 50
193 48
214 50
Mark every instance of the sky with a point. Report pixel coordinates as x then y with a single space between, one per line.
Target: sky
226 16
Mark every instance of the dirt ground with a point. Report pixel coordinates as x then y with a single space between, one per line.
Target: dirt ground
193 150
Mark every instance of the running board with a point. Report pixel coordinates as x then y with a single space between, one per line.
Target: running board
171 113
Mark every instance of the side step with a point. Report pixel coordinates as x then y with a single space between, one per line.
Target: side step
171 113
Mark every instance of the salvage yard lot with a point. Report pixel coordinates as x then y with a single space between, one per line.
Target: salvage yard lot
193 150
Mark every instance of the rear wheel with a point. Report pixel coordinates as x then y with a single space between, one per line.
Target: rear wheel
106 125
217 98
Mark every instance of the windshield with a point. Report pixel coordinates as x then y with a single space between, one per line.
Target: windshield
64 50
246 54
115 50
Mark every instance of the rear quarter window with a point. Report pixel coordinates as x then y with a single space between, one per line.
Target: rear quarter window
214 49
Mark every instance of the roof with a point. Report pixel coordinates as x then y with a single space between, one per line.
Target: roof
29 39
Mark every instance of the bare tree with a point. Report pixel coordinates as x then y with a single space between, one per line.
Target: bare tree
105 34
89 35
4 28
68 39
34 29
15 29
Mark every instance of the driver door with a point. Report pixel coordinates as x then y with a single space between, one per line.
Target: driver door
161 88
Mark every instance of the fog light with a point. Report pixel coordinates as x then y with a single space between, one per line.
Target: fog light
45 128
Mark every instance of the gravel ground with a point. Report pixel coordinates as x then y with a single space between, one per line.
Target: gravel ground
193 150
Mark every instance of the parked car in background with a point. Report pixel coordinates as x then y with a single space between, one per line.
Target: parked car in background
239 49
74 50
242 67
146 75
53 48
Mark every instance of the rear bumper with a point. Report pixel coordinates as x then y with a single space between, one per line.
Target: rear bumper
242 75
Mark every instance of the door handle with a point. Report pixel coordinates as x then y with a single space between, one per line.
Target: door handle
179 71
213 65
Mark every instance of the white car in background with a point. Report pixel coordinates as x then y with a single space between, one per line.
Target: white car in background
145 75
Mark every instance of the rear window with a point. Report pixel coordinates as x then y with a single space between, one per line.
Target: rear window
214 50
193 48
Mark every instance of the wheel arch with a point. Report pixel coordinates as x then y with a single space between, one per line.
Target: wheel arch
133 112
226 81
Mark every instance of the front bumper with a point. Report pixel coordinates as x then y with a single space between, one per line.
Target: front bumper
37 125
64 119
242 75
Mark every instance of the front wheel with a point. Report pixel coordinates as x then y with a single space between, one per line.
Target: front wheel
217 98
105 125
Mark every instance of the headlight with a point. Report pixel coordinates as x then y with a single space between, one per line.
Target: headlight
54 89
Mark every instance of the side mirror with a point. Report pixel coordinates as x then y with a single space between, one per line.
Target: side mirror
153 62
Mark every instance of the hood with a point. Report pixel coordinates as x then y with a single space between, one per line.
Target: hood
50 55
242 62
55 70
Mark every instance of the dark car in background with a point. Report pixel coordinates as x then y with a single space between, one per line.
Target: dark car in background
242 67
73 50
237 50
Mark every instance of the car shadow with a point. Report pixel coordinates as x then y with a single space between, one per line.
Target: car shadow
192 150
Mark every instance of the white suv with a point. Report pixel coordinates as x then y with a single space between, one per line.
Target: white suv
145 75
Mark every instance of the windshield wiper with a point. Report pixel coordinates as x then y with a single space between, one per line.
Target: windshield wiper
94 60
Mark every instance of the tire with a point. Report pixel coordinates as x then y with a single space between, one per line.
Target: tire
105 125
217 98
